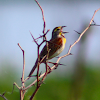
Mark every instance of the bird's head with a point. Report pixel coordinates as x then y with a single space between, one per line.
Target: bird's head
57 32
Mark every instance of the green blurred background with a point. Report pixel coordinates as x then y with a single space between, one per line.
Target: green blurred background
79 79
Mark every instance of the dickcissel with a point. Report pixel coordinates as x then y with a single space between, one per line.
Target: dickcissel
55 46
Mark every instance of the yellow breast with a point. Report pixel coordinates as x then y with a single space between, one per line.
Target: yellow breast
64 40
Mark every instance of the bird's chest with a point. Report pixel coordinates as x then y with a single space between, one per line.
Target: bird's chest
60 47
64 40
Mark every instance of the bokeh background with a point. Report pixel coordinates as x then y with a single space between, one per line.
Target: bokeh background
80 78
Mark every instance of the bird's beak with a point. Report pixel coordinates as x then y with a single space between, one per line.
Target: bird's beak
64 31
62 27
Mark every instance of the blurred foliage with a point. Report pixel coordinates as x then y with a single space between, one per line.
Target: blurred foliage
56 88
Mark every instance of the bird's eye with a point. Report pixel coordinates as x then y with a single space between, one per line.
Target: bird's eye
56 29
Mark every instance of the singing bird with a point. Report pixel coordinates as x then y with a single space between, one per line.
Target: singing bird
55 46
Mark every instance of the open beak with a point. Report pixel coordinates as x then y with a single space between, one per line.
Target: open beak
63 31
63 26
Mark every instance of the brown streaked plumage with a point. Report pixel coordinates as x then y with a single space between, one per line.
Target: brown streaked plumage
55 46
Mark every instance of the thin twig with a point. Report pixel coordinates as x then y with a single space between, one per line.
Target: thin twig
2 95
23 62
22 93
43 35
34 92
42 16
34 38
38 67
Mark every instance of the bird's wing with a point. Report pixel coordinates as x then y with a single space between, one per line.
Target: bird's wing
53 46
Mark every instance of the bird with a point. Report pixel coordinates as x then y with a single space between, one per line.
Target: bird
55 46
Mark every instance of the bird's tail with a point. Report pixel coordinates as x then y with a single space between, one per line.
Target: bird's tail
33 69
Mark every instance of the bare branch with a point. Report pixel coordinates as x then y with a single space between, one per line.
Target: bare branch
42 16
34 38
2 95
77 32
23 62
43 35
22 93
